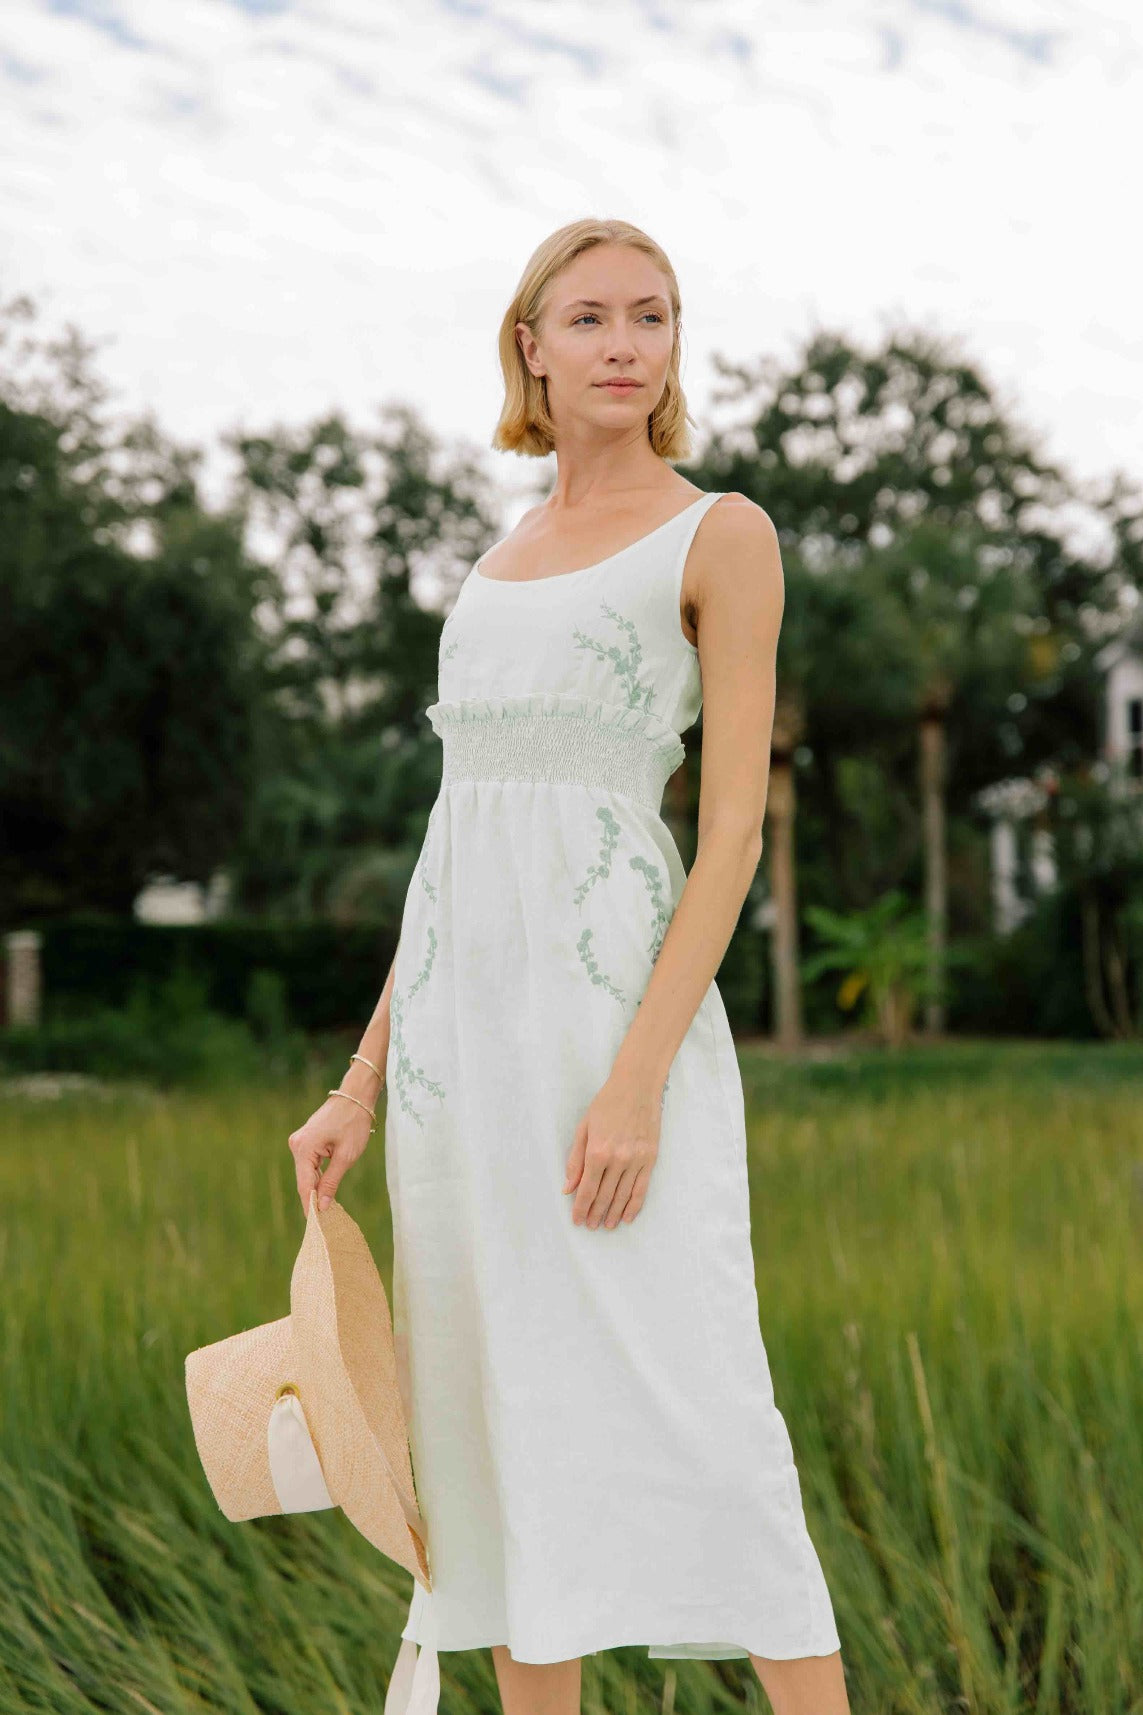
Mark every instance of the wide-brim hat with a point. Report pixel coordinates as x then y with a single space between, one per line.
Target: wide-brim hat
307 1412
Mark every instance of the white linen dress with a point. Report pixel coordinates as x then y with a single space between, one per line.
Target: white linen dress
597 1451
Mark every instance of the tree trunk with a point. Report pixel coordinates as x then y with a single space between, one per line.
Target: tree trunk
936 867
783 889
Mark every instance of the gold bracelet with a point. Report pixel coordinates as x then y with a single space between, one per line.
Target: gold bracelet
350 1098
371 1067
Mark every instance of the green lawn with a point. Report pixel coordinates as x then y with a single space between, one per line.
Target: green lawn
947 1258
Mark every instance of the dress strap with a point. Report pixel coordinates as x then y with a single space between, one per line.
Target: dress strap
694 518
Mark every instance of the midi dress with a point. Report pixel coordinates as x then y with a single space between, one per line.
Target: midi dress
596 1447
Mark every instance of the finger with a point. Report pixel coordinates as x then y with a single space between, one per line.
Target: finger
307 1163
638 1194
619 1201
575 1157
602 1201
307 1174
340 1162
588 1186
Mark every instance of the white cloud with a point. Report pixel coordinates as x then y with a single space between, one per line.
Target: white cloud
272 211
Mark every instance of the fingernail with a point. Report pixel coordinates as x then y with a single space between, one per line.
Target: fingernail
323 1202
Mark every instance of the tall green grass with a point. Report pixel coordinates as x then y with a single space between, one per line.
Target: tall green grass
947 1260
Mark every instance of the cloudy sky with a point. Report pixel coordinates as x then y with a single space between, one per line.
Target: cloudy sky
260 209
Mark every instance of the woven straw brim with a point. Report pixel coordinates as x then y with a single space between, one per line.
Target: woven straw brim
344 1336
231 1389
335 1348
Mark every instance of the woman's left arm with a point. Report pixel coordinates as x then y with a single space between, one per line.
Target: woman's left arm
735 572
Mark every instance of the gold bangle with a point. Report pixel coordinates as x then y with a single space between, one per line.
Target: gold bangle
350 1098
371 1067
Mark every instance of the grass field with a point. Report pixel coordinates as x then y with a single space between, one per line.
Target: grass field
947 1245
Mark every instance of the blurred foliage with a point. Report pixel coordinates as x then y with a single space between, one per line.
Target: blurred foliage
240 688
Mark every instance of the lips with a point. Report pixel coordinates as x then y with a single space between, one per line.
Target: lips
620 386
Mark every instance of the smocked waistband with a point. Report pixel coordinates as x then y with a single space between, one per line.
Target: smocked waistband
555 738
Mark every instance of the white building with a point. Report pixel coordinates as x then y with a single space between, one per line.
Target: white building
1122 661
165 900
1022 858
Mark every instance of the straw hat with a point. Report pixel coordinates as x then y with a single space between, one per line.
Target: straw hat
306 1412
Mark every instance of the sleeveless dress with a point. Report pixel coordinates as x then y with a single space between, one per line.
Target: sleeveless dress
597 1452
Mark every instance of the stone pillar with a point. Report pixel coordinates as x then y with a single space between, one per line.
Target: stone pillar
22 975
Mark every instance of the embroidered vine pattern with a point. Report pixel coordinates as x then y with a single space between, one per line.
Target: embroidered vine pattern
595 872
603 867
625 663
653 877
423 974
583 947
406 1075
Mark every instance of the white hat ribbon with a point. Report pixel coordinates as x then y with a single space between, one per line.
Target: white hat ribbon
415 1683
295 1469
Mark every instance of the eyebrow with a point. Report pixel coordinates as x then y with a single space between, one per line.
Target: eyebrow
598 304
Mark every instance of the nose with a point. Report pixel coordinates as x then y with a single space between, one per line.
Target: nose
619 347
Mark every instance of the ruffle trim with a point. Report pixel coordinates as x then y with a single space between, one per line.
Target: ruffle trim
564 705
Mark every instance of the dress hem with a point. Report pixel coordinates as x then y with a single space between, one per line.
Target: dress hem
583 1644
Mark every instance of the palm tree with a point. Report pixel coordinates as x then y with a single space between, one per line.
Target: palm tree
780 811
974 627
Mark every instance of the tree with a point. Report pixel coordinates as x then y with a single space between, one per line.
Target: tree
127 649
854 454
366 537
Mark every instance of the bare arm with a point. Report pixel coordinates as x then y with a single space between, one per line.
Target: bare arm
338 1131
740 596
374 1045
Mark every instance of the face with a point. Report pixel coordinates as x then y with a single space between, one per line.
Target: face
605 319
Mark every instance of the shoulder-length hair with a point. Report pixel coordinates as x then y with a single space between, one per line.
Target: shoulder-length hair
525 426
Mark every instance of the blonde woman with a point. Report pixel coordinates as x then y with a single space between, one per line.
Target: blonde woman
597 1450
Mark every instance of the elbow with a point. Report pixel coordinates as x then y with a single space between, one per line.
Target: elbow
742 838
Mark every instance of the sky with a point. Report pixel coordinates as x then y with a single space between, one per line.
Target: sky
262 211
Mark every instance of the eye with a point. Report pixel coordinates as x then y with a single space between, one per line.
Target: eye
592 315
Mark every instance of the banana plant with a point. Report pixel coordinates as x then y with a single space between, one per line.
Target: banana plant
882 954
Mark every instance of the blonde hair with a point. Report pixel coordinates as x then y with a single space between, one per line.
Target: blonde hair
525 426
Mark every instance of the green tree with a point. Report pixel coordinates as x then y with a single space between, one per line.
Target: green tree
367 537
127 649
915 515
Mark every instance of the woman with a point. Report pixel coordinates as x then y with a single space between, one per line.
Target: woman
596 1447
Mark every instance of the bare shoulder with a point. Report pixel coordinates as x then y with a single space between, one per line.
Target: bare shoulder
735 522
735 555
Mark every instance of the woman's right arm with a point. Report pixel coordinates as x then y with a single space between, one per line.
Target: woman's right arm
338 1131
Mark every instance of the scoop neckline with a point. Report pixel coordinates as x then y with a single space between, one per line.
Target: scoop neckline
578 571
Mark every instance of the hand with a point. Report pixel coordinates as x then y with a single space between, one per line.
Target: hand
616 1145
337 1131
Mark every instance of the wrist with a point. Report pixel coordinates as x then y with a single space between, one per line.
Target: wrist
640 1069
358 1080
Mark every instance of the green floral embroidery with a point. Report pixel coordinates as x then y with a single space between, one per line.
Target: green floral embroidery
583 947
594 873
638 695
603 867
405 1072
446 651
422 975
654 880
